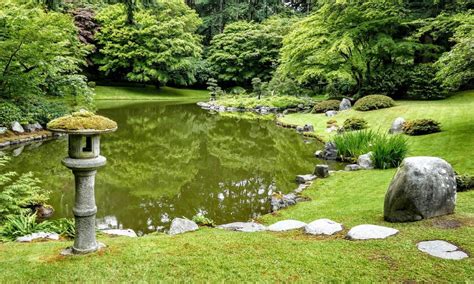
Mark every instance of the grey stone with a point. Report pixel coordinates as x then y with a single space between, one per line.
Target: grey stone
423 187
345 104
301 106
442 249
29 127
3 130
38 126
397 126
16 127
318 154
323 227
180 225
352 167
332 128
286 225
248 227
17 152
125 233
331 113
365 161
330 151
368 232
5 144
308 128
300 129
321 171
203 104
305 178
280 201
39 235
232 109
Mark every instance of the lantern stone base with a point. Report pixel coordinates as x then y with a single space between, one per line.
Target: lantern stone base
71 251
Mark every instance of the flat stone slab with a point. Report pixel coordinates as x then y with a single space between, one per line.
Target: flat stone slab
125 233
369 232
352 167
36 236
248 227
305 178
180 225
442 249
286 225
323 227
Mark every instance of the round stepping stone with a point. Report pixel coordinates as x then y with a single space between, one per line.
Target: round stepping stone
442 249
369 232
323 227
286 225
248 227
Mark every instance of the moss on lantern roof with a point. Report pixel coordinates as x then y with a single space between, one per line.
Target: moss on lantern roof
82 121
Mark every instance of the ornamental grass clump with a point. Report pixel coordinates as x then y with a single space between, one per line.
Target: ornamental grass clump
421 127
325 106
387 150
373 102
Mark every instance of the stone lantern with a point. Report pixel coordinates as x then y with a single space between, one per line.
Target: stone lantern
84 129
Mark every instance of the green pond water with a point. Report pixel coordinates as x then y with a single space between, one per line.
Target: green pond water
172 160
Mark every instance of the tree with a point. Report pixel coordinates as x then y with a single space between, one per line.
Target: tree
246 50
161 47
40 54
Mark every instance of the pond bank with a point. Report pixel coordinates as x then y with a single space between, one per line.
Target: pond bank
12 139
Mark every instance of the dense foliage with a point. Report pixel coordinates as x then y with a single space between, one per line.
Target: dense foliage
354 123
246 50
160 47
373 102
421 126
325 106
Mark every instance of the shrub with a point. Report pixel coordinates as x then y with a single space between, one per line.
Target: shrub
353 144
388 151
464 182
421 127
372 102
354 124
42 111
331 121
422 84
202 220
9 113
325 106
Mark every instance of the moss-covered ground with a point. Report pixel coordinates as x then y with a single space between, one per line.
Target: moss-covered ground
351 198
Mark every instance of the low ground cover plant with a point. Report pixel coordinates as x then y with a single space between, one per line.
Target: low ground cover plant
25 224
388 151
373 102
325 106
244 101
355 123
421 127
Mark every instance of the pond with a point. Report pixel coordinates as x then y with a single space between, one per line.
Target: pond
172 160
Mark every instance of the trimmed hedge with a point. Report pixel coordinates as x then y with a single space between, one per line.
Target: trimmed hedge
421 127
325 106
372 102
354 123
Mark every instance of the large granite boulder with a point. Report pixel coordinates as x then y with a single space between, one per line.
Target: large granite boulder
397 126
423 187
365 161
345 104
180 225
329 152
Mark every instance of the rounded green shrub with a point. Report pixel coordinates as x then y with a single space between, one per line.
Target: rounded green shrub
325 106
372 102
354 123
464 182
9 113
421 127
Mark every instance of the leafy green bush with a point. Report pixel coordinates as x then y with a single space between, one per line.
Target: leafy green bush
19 193
422 84
9 113
202 220
421 127
268 101
42 111
464 182
354 123
325 106
388 151
25 224
372 102
355 143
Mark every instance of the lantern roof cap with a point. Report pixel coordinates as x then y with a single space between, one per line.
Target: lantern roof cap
82 122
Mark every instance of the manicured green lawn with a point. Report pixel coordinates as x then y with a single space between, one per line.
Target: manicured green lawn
351 198
149 93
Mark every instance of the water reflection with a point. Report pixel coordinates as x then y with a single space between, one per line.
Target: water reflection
172 160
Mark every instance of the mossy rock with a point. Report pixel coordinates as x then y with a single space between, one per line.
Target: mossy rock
82 121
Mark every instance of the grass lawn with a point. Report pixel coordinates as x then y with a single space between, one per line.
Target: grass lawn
351 198
149 93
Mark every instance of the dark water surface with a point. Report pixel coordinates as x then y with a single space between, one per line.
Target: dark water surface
173 160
